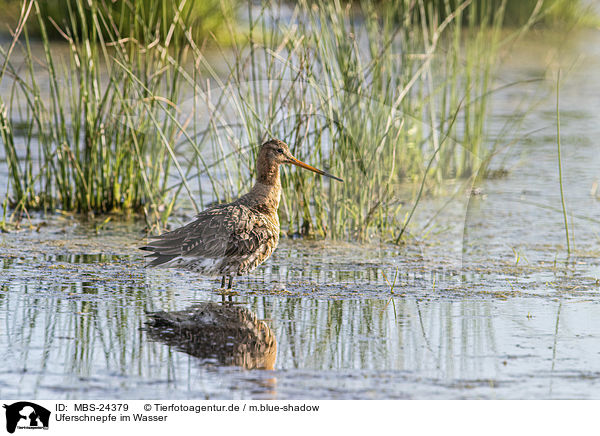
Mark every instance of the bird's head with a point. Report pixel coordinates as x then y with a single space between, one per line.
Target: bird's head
277 152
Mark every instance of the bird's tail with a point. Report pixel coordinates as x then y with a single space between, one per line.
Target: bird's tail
159 258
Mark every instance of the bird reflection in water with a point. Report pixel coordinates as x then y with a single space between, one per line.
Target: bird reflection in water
231 334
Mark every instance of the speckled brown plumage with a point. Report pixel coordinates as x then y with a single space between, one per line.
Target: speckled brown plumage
232 239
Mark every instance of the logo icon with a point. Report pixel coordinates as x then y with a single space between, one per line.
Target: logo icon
26 415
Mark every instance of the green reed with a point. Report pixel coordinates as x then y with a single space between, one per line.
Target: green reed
95 140
367 95
560 175
391 96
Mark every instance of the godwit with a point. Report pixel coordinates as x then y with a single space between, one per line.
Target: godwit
234 238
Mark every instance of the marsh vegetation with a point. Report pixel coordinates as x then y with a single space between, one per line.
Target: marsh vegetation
130 115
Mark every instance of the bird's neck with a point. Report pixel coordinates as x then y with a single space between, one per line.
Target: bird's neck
266 192
268 174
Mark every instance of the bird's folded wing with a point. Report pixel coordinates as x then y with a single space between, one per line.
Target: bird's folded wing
226 231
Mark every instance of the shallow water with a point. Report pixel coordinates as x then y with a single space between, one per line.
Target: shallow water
484 305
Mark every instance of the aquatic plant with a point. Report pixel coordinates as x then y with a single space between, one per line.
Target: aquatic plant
117 124
93 139
204 17
550 13
374 96
560 175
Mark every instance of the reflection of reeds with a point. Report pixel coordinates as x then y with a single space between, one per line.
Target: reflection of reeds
85 328
85 337
125 125
437 339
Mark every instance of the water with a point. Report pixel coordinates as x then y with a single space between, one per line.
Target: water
484 305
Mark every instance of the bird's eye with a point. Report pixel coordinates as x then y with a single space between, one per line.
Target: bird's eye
280 150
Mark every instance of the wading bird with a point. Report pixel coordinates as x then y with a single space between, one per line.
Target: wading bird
232 239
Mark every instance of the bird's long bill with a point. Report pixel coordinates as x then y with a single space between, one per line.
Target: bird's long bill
308 167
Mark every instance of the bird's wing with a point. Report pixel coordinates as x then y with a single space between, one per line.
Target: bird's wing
252 231
222 231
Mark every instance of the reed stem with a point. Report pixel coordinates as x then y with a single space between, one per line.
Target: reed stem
560 176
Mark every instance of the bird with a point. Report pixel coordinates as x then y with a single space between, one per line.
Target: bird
232 239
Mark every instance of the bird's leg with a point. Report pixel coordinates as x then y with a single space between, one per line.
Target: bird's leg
223 283
230 282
